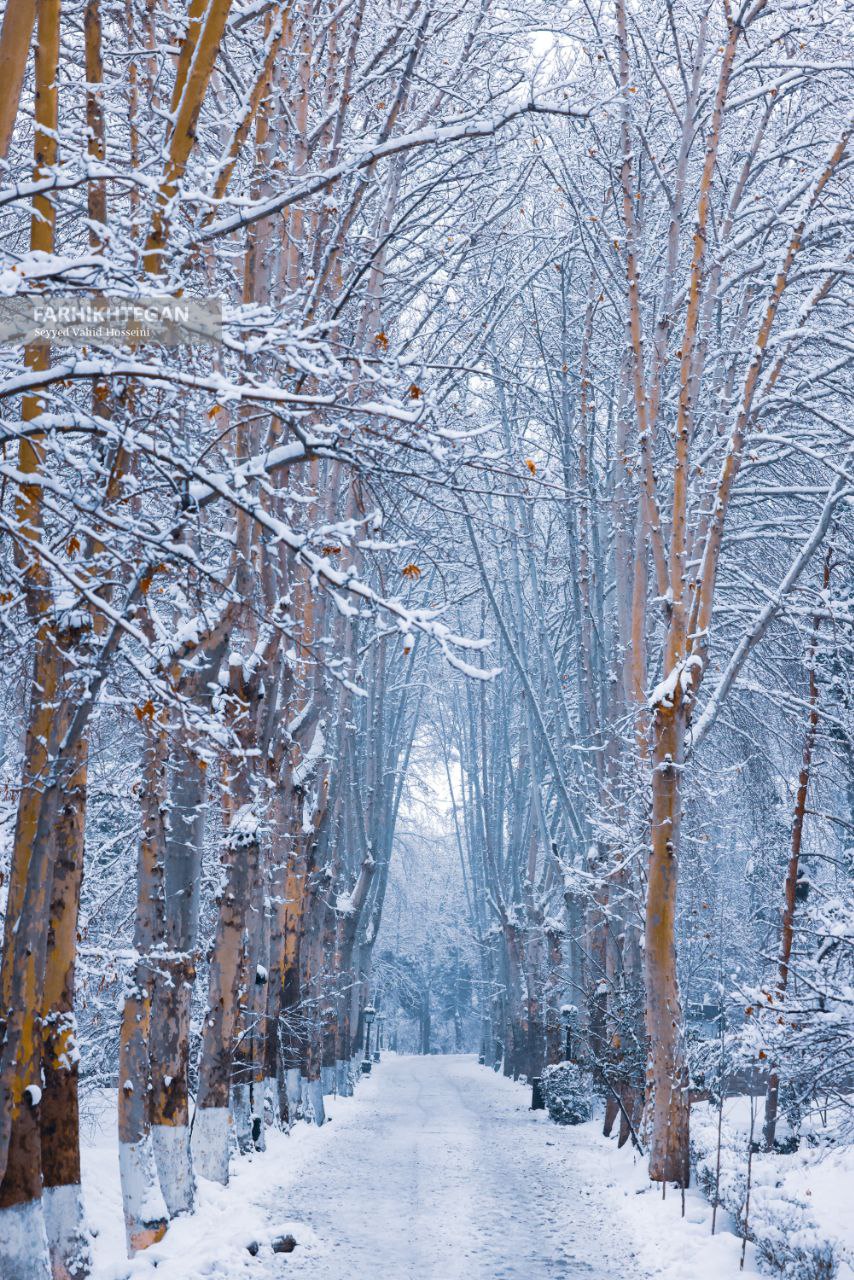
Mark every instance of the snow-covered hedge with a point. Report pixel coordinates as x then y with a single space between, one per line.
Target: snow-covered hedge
568 1092
788 1240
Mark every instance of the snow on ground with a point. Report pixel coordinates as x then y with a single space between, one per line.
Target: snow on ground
814 1183
436 1169
670 1245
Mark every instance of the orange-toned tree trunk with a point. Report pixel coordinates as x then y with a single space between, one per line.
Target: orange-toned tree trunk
60 1126
596 962
261 1029
667 1076
252 1013
60 1121
23 1241
197 61
311 965
278 911
15 36
295 884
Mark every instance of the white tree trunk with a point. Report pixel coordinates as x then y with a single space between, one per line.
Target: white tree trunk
24 1251
144 1206
174 1166
241 1106
328 1080
293 1088
67 1233
344 1086
211 1142
314 1094
272 1111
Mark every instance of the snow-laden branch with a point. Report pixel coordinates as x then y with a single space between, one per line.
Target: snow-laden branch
370 153
840 490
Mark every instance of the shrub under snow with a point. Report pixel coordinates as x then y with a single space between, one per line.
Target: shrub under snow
568 1092
788 1240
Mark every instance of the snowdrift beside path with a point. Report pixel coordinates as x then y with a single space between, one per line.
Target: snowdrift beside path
800 1212
214 1242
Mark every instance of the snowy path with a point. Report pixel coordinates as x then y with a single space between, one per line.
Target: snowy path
448 1176
436 1169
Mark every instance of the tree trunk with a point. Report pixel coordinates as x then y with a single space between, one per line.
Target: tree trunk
174 981
212 1122
311 952
252 1011
23 1240
146 1215
596 966
669 1157
612 1110
261 1031
15 36
68 1238
290 1031
328 1019
275 977
554 1028
790 894
425 1022
173 992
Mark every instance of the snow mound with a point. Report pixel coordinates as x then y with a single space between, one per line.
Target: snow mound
568 1092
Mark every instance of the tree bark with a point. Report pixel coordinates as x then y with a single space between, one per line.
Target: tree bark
667 1075
15 36
790 888
252 1011
145 1211
290 977
68 1238
241 859
170 1039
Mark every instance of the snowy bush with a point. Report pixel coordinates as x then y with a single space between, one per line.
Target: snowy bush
788 1241
568 1092
731 1182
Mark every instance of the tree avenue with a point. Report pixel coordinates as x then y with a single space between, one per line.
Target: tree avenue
515 469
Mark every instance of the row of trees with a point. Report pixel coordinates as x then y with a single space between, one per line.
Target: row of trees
533 365
201 608
667 565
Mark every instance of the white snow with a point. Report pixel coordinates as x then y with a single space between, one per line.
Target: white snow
802 1197
437 1170
669 1246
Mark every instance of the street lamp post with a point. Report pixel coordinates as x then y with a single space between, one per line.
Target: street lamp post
379 1040
368 1013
